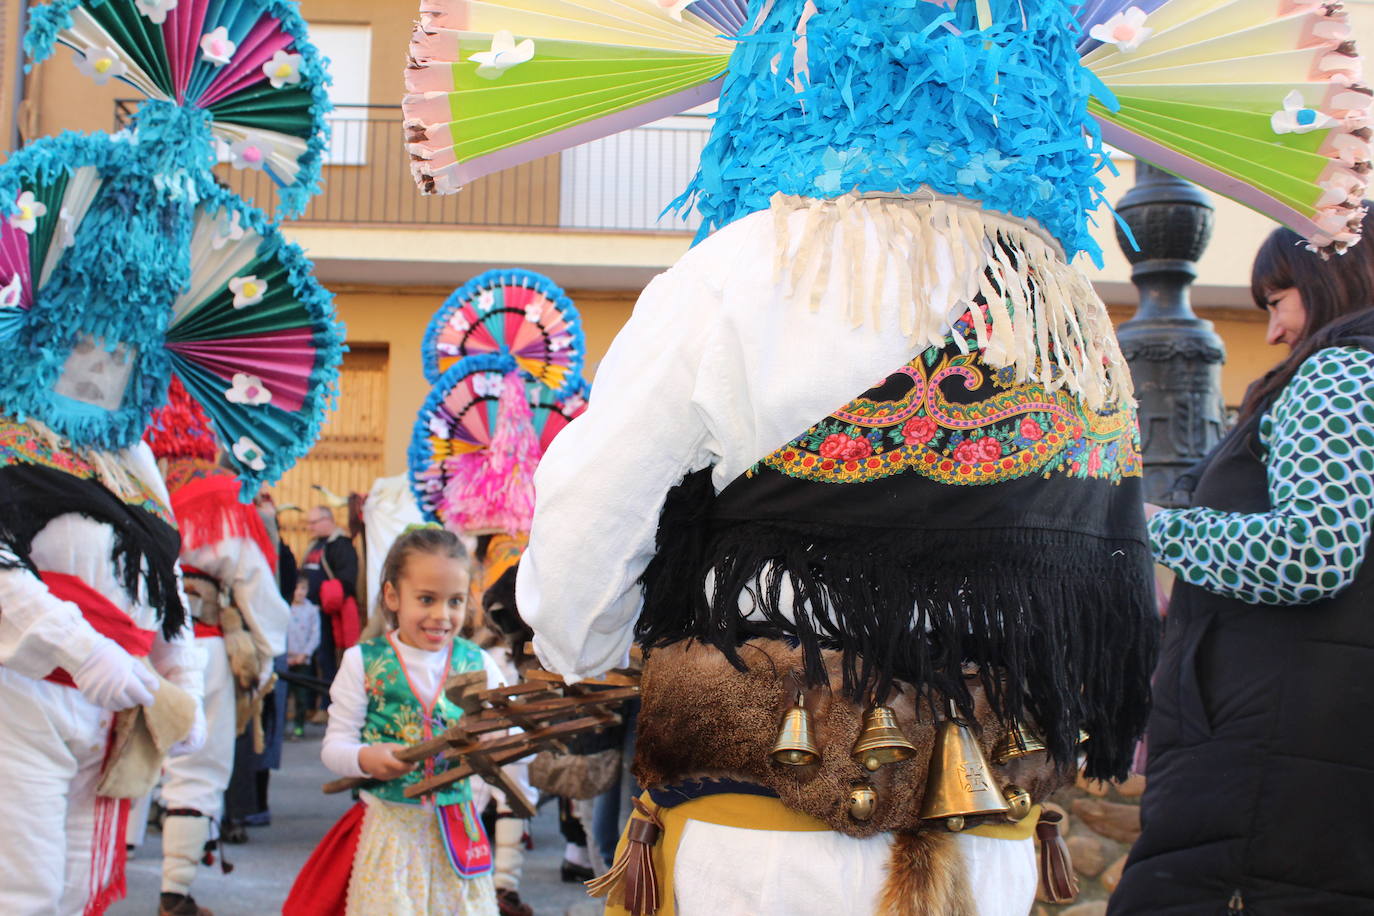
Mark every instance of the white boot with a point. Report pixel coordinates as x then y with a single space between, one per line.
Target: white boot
183 845
509 853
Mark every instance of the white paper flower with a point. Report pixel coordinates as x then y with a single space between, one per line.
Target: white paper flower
488 384
66 229
29 212
227 229
249 454
248 389
248 154
217 47
11 293
504 54
673 8
247 290
576 402
561 342
1126 29
284 69
485 301
156 10
101 64
533 312
1296 118
438 427
459 323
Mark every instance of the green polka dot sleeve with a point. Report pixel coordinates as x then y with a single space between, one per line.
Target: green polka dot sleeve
1318 442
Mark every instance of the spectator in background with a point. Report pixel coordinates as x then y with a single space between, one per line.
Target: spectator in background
302 639
331 557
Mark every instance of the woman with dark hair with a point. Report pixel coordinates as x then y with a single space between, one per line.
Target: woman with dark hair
1260 749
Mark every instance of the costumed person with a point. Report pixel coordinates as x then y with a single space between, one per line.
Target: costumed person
392 854
124 264
1269 636
228 561
861 472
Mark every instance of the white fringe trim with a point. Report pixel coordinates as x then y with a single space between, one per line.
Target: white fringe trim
1055 321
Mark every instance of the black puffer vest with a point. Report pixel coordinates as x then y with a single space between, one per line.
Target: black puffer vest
1261 742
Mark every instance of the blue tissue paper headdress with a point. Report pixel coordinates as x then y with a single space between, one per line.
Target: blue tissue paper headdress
903 95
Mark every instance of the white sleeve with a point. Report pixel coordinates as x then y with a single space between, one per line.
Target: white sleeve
38 631
347 713
601 485
180 659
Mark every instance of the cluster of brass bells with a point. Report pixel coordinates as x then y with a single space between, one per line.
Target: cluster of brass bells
880 742
960 783
1015 744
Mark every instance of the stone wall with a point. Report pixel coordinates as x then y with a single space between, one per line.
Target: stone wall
1101 821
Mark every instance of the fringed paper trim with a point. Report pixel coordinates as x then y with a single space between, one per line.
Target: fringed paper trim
1044 318
1340 210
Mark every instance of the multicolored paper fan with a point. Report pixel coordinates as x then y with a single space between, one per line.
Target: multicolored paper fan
247 63
515 312
254 340
1261 102
493 84
457 426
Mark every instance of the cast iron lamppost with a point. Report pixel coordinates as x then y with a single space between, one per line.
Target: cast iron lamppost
1175 357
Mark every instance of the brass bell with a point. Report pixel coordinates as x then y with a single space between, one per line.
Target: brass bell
862 800
960 782
1017 743
1018 801
881 741
794 746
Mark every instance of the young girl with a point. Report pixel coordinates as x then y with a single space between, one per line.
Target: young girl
412 858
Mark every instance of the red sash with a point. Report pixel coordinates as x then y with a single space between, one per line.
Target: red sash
101 614
206 631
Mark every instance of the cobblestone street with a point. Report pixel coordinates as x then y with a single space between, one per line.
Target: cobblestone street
265 866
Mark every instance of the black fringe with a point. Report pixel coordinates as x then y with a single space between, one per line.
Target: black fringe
145 547
1062 625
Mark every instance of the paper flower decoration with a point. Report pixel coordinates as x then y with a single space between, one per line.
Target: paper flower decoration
11 293
66 229
1126 29
504 54
488 384
25 219
486 300
101 64
284 69
1296 118
461 324
249 454
217 47
533 312
227 229
561 342
574 404
247 290
248 389
248 154
673 8
156 10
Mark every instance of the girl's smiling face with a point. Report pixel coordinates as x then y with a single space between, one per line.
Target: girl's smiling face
429 599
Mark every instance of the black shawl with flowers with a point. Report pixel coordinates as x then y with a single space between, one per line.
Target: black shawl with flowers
949 515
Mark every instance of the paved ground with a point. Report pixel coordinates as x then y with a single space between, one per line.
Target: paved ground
265 866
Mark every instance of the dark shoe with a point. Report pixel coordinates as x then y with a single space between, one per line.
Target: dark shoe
180 905
297 733
509 904
234 832
576 874
258 819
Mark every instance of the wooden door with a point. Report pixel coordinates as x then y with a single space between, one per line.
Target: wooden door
348 456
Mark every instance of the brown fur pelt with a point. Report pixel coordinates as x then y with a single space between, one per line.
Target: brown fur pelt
926 877
702 717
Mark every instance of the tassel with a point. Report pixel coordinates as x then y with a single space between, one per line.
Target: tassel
1058 883
632 877
492 489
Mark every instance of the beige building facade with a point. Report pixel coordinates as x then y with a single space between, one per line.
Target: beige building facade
587 219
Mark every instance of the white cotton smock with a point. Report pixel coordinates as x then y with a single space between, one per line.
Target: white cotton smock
54 739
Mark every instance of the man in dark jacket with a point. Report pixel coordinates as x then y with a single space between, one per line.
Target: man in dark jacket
331 556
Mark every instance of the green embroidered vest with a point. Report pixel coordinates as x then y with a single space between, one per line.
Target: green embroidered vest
396 715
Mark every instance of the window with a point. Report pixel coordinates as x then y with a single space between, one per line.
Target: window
349 51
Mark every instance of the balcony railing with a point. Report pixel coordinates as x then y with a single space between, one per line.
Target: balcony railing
620 183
